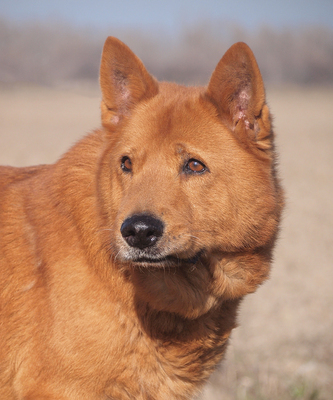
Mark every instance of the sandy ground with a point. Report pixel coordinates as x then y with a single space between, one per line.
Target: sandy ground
283 348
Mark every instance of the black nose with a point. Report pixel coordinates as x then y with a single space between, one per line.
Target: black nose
141 230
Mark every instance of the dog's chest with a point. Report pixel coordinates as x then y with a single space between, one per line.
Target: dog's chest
165 370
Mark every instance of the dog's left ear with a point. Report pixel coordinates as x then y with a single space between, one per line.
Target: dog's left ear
124 81
237 90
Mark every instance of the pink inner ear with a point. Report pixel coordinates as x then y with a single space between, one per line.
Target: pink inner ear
115 120
242 103
121 93
120 82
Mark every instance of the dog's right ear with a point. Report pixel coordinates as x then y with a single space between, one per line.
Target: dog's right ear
124 81
237 89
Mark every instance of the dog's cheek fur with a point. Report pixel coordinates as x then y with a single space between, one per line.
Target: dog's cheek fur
182 291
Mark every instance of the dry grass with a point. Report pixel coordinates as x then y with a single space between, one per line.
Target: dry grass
283 348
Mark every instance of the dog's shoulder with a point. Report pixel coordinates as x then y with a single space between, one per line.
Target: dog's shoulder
12 175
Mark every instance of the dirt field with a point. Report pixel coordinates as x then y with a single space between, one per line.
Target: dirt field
283 348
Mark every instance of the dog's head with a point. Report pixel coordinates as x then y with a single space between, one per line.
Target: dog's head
193 201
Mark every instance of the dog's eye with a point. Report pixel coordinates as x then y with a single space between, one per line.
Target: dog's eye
194 167
126 164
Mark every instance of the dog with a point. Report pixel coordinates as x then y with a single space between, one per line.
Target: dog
123 264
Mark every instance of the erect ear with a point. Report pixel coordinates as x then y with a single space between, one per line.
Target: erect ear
124 81
237 90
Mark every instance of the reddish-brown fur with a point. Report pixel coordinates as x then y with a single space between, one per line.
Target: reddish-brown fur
85 314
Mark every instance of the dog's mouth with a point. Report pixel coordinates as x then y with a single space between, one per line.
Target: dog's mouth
171 260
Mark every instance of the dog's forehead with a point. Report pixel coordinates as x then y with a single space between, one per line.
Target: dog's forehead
177 114
160 131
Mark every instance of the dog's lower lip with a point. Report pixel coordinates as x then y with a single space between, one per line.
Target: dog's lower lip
168 260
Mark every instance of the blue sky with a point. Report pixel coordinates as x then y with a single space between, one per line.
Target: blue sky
171 15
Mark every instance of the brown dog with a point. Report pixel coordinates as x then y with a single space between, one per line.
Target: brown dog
122 265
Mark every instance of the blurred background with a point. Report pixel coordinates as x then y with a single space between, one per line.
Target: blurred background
49 98
50 42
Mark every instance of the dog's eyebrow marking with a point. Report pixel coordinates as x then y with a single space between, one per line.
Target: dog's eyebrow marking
181 149
29 286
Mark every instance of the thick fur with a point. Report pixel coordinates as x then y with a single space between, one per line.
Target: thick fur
85 314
